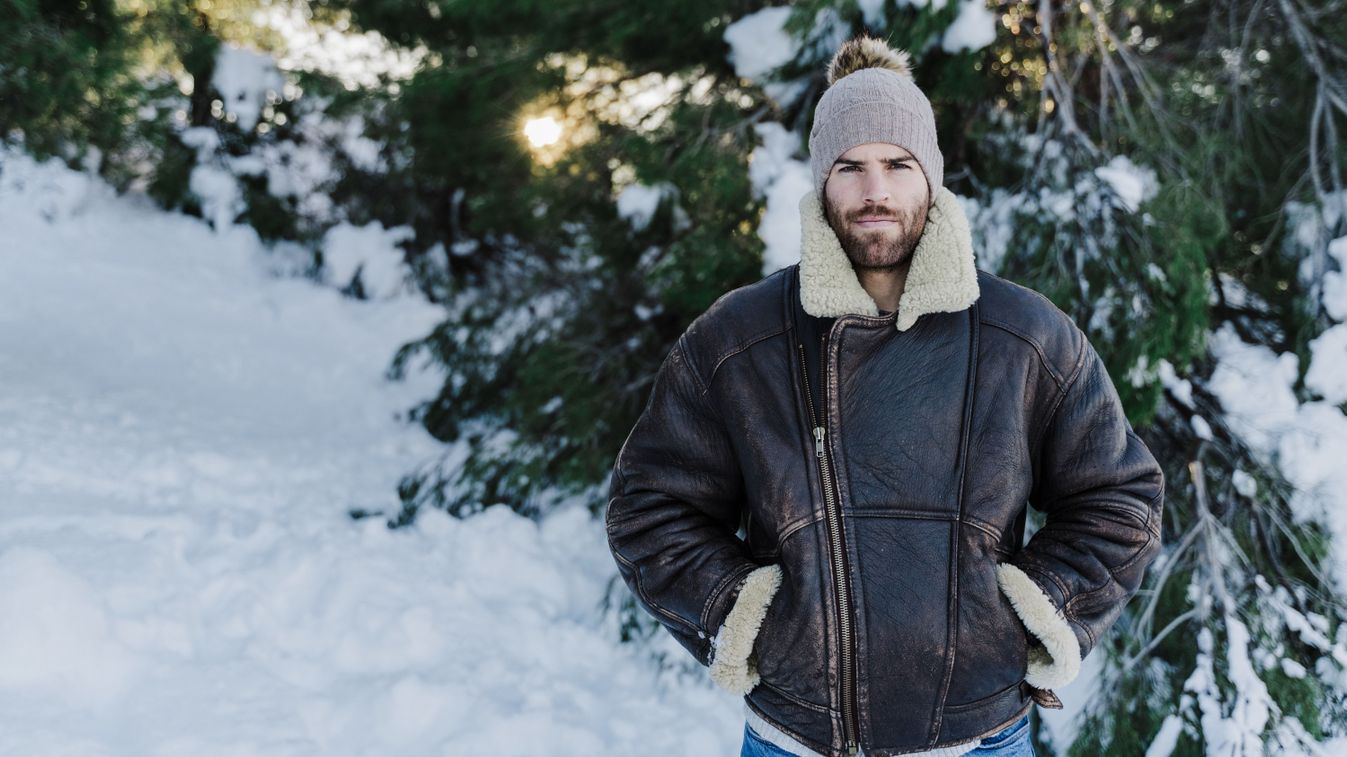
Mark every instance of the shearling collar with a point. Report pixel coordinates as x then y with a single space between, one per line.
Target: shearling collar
941 279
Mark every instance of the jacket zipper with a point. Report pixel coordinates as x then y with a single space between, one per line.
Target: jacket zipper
840 573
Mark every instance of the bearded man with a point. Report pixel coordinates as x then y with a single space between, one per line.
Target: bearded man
824 499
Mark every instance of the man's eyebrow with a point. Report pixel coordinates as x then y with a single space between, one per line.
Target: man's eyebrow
841 161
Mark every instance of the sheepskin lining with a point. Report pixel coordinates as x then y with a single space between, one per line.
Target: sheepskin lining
942 277
733 667
1057 661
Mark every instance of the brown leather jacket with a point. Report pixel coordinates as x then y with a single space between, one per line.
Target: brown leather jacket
836 527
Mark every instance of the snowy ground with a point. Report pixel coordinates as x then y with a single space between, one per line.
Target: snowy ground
181 435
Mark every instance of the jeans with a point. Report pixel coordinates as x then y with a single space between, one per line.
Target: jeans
1013 741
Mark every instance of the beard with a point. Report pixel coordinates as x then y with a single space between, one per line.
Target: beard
874 249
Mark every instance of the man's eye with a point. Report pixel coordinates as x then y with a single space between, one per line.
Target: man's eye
899 165
847 168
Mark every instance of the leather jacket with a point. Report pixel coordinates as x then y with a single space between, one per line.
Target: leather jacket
826 504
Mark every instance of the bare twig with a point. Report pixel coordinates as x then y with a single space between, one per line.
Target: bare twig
1055 82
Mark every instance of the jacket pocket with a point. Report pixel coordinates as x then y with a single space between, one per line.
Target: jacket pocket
732 664
993 647
790 651
1055 654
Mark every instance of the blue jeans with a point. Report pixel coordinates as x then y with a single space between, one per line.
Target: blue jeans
1013 741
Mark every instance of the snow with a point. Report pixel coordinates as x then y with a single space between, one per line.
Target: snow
1201 428
1310 454
1181 388
1254 386
300 167
1292 669
1246 485
1314 236
1167 738
373 252
183 434
872 11
55 635
1132 184
992 223
303 167
1253 704
245 79
1307 440
365 153
1060 727
1229 728
357 59
782 181
759 43
219 193
932 4
1335 282
203 138
1327 375
973 29
637 203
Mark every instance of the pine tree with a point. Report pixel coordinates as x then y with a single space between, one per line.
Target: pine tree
572 266
67 87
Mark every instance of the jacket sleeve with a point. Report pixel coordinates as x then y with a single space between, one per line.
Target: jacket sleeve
674 507
1102 492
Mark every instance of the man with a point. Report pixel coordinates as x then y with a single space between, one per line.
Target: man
874 421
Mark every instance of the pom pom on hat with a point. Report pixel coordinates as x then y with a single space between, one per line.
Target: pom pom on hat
867 52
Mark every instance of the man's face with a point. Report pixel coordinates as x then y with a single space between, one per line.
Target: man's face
876 199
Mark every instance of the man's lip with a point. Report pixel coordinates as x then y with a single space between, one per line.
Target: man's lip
875 221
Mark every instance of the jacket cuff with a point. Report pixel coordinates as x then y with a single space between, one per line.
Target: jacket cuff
732 665
1057 661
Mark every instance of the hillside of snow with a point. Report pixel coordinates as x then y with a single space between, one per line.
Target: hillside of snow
183 428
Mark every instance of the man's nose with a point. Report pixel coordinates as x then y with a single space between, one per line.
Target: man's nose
875 189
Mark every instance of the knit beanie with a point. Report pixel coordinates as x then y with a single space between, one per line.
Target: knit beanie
871 97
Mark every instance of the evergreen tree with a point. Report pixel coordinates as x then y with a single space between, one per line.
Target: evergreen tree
115 87
67 86
572 266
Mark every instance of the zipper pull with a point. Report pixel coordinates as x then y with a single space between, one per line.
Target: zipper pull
851 747
818 441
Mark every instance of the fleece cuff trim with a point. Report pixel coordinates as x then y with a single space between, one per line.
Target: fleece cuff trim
1057 661
733 666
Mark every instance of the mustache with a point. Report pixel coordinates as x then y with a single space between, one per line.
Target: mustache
875 213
